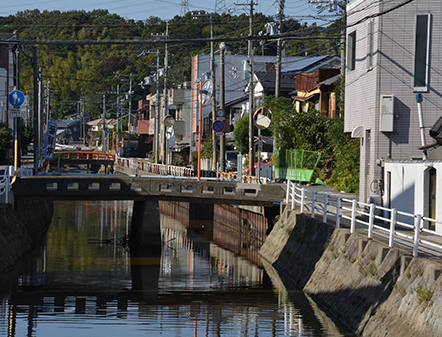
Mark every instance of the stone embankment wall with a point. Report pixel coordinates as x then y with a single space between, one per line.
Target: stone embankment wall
375 290
19 228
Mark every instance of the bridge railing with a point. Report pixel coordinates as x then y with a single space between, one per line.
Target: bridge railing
92 155
160 169
369 216
180 171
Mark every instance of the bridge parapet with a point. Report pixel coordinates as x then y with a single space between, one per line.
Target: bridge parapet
116 187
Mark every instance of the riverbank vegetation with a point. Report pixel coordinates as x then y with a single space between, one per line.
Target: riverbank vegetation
310 130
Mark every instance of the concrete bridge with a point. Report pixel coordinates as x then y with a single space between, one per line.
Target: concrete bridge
146 191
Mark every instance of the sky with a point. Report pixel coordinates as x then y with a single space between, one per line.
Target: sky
165 9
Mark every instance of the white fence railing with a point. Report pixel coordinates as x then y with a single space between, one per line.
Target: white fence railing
180 171
5 185
350 209
8 179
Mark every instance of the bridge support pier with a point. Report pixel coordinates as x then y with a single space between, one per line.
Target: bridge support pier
145 227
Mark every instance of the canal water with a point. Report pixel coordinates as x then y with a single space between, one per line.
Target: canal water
83 281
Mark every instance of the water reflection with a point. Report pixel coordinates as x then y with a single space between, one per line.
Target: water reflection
83 281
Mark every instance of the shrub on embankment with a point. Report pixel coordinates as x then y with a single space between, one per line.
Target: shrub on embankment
373 289
19 227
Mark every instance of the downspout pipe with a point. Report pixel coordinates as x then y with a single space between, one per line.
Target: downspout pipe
421 123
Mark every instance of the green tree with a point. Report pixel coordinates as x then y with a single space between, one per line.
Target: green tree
346 160
27 135
305 130
241 135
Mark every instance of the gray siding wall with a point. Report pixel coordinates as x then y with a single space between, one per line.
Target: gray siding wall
361 93
392 74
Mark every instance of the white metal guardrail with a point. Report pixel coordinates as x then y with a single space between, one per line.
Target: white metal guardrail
160 169
8 179
342 208
5 184
180 171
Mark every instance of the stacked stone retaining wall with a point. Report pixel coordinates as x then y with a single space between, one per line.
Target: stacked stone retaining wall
375 290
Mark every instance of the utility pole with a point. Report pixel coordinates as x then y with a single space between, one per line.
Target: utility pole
128 96
166 98
251 93
118 119
280 14
222 149
343 37
157 112
40 108
250 3
83 121
48 102
36 119
16 119
130 112
212 74
103 136
212 77
333 5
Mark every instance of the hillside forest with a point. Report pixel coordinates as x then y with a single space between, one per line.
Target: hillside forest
82 71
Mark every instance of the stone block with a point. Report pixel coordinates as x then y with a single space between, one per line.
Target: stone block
405 262
361 246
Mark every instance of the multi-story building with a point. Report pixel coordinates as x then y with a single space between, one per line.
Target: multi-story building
6 79
393 54
236 79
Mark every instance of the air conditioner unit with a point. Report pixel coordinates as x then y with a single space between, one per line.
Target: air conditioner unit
387 113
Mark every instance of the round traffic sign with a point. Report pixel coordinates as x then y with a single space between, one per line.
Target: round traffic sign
218 126
16 98
220 113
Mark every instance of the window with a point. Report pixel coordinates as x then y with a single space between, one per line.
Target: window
370 45
421 54
351 54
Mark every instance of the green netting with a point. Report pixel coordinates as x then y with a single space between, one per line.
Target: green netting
297 165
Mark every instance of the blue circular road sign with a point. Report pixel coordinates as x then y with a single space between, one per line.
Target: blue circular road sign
218 126
16 98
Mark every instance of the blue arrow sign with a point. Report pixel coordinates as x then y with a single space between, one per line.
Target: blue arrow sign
16 98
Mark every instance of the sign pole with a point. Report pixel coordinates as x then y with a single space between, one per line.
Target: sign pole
200 128
16 99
